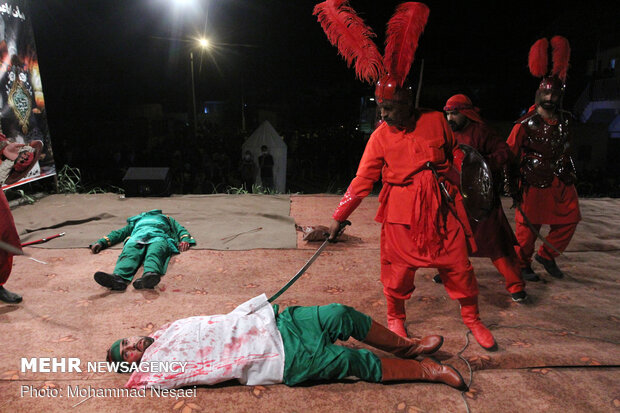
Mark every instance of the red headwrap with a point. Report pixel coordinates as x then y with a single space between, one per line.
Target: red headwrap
463 104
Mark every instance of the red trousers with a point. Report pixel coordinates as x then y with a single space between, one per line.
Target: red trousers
6 264
559 236
508 267
8 234
400 259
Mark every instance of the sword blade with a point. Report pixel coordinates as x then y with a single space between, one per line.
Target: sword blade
531 227
13 250
300 272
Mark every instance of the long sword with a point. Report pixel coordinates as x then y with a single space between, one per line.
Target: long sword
309 263
531 227
13 250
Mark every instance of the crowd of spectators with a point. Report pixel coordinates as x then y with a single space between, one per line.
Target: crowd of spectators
319 160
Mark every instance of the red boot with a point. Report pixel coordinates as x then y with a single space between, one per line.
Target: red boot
471 318
396 315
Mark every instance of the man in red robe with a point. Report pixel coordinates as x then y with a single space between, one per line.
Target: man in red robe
493 235
424 223
540 141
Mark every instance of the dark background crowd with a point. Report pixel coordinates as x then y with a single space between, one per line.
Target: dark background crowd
320 160
99 60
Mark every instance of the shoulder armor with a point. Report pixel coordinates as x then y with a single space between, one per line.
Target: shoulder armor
526 117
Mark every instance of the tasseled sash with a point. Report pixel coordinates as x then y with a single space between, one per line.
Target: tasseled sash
427 222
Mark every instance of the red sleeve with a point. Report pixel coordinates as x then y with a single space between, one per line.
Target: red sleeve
496 149
451 143
515 140
452 168
368 173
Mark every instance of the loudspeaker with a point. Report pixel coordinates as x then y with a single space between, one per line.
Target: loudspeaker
147 182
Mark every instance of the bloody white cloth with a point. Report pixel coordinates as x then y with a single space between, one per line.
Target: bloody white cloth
244 344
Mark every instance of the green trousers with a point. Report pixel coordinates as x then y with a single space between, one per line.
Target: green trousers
309 334
154 255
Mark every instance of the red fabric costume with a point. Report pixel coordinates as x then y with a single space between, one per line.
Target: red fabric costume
8 234
556 205
540 141
419 228
493 235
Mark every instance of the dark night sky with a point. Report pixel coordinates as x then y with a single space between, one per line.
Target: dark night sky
96 56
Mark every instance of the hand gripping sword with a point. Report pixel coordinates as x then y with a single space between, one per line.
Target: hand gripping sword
442 186
309 263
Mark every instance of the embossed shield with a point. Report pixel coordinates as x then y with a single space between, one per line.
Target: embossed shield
476 184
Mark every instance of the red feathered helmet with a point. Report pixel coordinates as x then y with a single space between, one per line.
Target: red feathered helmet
538 62
346 31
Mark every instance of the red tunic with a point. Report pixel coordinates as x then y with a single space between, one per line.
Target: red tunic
556 204
410 194
8 234
494 236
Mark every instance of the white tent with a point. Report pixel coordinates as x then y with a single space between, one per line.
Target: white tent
266 135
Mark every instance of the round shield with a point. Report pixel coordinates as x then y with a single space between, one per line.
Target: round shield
476 184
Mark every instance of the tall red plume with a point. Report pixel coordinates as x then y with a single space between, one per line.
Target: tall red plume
403 31
561 56
347 31
538 60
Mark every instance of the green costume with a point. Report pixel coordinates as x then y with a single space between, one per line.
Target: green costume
309 334
150 237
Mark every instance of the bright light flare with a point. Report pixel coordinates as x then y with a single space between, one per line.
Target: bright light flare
204 43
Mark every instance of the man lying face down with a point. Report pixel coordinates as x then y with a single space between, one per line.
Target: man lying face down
256 345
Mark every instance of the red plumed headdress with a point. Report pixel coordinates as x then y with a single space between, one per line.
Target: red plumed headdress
553 78
346 31
561 56
538 59
403 31
352 37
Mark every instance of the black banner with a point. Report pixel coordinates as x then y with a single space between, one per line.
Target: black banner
22 106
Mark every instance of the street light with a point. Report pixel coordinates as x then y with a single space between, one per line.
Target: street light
204 45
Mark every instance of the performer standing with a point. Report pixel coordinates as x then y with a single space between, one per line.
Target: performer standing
493 235
544 186
423 220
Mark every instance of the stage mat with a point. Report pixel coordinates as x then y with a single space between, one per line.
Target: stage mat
219 222
559 352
